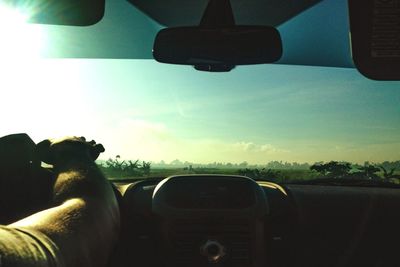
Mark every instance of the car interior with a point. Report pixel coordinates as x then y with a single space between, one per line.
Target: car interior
213 218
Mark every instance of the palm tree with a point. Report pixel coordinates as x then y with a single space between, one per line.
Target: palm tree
389 175
332 169
146 166
370 172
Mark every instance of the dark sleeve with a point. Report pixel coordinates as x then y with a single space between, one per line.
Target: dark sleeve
25 248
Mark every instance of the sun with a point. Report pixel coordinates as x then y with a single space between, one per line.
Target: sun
19 39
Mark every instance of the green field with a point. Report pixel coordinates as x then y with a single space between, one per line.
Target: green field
387 171
277 175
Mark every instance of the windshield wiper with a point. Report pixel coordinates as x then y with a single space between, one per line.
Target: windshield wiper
347 182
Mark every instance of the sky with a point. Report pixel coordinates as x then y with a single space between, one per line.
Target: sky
141 109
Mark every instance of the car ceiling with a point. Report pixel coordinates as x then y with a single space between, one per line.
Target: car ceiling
318 36
172 13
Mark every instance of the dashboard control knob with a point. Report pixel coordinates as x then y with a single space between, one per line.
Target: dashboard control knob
213 251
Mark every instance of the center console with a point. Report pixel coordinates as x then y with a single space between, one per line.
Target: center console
211 221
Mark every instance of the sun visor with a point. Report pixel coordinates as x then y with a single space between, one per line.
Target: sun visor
59 12
375 38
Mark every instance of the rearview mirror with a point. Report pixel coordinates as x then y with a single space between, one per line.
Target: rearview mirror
218 49
60 12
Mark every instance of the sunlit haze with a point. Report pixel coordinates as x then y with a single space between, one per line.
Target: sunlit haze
146 110
19 40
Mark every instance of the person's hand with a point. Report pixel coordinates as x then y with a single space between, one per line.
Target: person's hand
55 151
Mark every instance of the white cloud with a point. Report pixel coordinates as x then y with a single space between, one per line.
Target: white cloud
137 138
252 147
155 141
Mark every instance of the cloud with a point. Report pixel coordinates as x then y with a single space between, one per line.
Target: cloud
147 140
155 141
252 147
244 146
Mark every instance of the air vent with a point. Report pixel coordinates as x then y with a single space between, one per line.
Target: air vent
188 237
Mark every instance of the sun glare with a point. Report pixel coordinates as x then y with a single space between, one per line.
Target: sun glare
18 39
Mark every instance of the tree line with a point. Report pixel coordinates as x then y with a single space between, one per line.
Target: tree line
273 165
369 171
273 171
121 168
332 170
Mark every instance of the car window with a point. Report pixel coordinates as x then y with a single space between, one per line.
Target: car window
156 119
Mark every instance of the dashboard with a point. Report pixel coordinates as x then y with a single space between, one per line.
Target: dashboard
219 220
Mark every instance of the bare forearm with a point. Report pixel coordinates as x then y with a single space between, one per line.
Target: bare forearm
85 222
81 178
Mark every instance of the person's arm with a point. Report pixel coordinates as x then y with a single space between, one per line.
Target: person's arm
84 223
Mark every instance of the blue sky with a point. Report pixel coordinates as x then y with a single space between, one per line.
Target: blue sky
143 109
300 113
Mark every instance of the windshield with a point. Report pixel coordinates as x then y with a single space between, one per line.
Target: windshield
275 122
